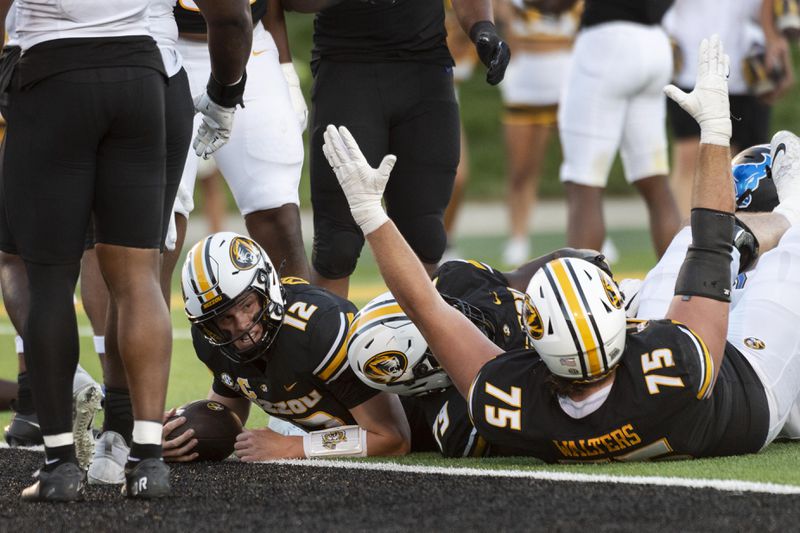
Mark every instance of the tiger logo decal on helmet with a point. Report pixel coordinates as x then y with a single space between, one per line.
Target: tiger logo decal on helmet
582 320
386 367
244 255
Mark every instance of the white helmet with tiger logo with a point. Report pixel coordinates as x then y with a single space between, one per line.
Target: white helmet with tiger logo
220 271
575 319
387 351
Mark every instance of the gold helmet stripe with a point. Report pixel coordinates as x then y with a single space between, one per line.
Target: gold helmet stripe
579 316
376 313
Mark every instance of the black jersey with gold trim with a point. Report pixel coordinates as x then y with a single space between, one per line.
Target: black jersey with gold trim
190 20
661 405
487 289
439 421
304 377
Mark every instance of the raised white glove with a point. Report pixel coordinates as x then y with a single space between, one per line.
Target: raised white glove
362 185
215 129
708 103
296 94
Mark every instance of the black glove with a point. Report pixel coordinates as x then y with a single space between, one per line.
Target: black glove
492 50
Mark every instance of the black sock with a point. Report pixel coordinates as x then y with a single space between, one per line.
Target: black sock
55 457
119 413
24 402
140 452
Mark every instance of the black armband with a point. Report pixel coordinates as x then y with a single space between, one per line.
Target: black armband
706 271
746 242
226 95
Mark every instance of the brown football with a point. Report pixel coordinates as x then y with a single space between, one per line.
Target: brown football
215 428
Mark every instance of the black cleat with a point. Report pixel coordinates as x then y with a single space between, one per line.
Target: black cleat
63 484
149 478
24 430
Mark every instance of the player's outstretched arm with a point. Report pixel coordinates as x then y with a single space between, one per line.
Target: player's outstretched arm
459 346
702 290
384 421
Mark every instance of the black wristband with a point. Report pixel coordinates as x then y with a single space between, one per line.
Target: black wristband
481 26
226 95
706 270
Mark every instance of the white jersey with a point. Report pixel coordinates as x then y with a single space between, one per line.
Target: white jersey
161 22
532 25
12 39
47 20
735 21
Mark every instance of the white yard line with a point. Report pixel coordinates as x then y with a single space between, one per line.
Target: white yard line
718 484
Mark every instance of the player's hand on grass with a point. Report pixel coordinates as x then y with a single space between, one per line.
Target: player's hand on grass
708 102
178 449
266 445
363 185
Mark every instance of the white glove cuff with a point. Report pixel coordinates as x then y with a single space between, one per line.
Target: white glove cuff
369 219
716 131
343 441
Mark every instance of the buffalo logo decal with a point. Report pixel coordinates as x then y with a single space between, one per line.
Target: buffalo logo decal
244 253
386 367
611 291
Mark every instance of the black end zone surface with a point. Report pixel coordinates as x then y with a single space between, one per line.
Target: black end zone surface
234 496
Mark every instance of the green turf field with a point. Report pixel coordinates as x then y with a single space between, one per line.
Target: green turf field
190 380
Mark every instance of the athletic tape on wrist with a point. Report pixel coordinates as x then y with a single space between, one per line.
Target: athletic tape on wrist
19 345
344 441
99 344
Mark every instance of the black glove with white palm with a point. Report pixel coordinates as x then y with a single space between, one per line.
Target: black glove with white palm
363 185
708 102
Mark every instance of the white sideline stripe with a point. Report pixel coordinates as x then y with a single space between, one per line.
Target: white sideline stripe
86 331
718 484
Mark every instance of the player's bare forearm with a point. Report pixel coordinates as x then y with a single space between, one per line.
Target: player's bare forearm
471 11
712 180
457 344
5 6
275 23
308 6
230 37
384 420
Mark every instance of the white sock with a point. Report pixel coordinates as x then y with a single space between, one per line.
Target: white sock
99 344
147 432
19 345
62 439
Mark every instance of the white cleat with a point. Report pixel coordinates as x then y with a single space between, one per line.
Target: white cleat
108 463
785 152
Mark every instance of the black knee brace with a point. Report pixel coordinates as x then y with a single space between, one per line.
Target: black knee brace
336 251
706 271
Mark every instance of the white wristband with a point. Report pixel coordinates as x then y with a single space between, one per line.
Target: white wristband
717 131
344 441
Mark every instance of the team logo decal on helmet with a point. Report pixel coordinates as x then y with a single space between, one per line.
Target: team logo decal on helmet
533 321
244 254
752 178
332 439
611 291
386 367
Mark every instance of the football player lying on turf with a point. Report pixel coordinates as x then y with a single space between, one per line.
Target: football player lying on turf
387 351
602 389
281 345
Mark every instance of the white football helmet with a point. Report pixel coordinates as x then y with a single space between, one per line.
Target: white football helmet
575 319
387 351
220 271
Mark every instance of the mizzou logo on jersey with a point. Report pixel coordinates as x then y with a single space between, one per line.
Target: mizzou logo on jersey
244 253
754 343
386 367
611 291
533 321
333 439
